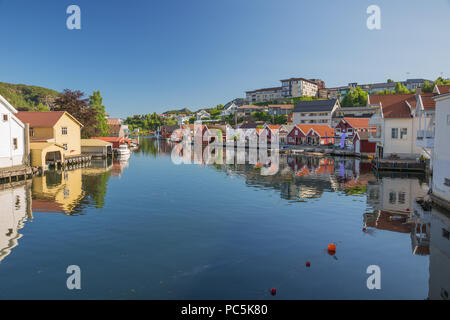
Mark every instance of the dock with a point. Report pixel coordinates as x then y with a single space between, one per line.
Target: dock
401 165
14 174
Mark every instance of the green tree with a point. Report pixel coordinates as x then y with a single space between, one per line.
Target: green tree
390 80
43 107
96 103
401 89
427 86
356 97
74 103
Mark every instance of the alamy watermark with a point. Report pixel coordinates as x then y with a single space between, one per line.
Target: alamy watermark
374 280
73 22
374 20
74 280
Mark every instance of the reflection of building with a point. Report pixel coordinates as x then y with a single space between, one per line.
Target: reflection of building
57 191
393 202
15 210
439 284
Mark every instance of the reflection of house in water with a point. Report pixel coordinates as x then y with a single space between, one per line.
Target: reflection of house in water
392 201
439 283
57 191
119 165
15 203
67 191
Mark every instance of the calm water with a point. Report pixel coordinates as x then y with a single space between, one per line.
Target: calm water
145 228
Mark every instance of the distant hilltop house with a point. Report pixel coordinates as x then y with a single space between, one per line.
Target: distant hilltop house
202 114
229 110
14 137
116 128
290 88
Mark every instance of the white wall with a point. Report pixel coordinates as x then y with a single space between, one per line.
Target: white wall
10 129
404 148
441 157
14 207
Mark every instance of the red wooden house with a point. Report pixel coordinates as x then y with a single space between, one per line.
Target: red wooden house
296 136
351 126
311 134
362 145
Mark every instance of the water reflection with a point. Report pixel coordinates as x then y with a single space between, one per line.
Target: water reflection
15 203
388 202
70 192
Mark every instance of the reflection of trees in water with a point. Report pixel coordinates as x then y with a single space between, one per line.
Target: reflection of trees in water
149 146
95 187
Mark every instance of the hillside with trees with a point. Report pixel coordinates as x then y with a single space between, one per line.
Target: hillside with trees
24 97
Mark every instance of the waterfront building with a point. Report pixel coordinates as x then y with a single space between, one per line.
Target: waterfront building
96 147
14 138
311 135
116 128
362 145
315 112
54 135
441 153
395 126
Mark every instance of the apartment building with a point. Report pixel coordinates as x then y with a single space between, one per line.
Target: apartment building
299 87
263 95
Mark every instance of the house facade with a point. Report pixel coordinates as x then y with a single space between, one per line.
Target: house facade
441 152
395 126
315 112
14 139
280 109
311 135
57 127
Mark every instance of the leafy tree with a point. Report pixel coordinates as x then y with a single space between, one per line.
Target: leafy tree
74 103
401 89
427 87
96 103
43 107
442 82
356 97
280 119
390 80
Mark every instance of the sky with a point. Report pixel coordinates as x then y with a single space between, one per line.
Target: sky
150 56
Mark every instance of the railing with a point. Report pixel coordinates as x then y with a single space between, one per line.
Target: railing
421 134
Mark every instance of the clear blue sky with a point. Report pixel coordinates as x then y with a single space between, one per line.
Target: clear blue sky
148 56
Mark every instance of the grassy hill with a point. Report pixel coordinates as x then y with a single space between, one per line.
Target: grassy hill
181 111
24 97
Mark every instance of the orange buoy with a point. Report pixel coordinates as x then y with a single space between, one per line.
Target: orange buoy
332 247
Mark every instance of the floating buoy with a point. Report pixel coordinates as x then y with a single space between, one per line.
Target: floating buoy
308 264
332 247
273 291
364 229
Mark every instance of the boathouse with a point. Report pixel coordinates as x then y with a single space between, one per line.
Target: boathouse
115 141
362 145
96 148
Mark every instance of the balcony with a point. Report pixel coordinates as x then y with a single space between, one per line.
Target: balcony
425 139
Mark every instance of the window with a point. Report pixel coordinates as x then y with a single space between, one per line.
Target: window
15 144
392 197
64 131
394 133
5 117
31 132
401 197
65 146
403 133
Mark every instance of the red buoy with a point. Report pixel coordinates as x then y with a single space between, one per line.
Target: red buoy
273 291
332 247
308 264
364 229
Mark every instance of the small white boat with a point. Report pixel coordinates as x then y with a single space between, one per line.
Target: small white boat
123 150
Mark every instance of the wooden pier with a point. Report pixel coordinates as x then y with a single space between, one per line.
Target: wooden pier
398 165
14 174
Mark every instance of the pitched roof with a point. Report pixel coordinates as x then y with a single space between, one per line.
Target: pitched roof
443 89
394 105
43 119
321 129
358 123
264 89
113 121
315 105
428 102
281 106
